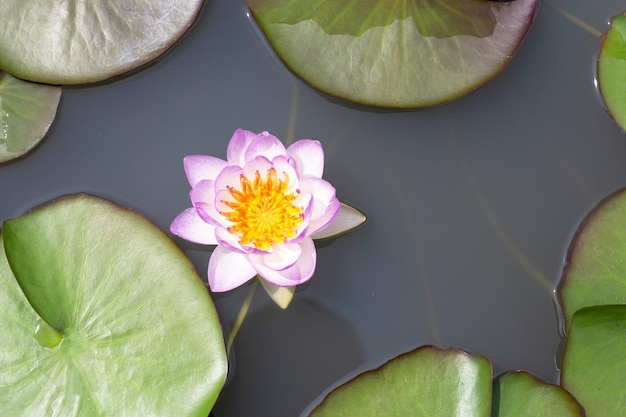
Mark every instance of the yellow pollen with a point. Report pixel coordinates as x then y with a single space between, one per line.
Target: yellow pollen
263 212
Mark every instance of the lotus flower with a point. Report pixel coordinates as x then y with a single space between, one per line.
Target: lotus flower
260 207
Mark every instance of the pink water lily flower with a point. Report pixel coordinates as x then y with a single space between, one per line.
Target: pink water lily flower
260 207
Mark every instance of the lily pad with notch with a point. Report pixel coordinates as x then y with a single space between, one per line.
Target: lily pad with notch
102 315
77 42
27 111
394 54
593 369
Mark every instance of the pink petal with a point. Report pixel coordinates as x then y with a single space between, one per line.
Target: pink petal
309 157
228 240
203 200
228 270
282 256
325 204
191 227
296 274
285 169
202 167
237 146
229 177
265 145
259 164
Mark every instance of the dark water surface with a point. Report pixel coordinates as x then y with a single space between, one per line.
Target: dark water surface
471 205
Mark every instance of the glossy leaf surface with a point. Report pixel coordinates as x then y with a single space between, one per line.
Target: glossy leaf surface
78 41
519 394
427 382
595 271
612 70
411 53
26 112
594 369
109 318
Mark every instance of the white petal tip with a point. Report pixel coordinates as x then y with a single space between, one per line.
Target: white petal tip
282 296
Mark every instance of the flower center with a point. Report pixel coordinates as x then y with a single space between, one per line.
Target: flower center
263 212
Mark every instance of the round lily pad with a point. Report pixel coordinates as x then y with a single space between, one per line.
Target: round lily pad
595 270
426 382
82 41
594 370
102 315
26 112
519 394
387 53
612 70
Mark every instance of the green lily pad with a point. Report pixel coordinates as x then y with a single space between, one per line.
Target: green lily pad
427 382
595 270
102 315
519 394
612 70
26 112
395 54
594 370
78 41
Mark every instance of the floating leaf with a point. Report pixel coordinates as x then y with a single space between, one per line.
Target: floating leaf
426 382
26 112
595 270
109 319
395 54
348 219
612 70
519 394
75 41
594 370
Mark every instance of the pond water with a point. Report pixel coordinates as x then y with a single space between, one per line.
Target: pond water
470 205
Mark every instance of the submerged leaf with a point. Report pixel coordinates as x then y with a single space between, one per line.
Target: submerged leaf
595 270
109 318
519 394
594 370
75 41
612 70
386 53
426 382
26 112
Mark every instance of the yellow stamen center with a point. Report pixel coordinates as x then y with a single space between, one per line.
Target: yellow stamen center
263 212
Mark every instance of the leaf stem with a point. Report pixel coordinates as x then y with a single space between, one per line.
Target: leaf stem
575 20
241 316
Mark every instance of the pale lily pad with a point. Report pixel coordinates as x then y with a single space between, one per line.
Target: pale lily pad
427 382
594 370
395 54
26 112
347 220
519 394
79 41
595 270
109 317
612 70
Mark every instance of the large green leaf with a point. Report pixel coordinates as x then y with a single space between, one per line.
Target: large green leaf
612 70
409 53
595 270
26 112
109 319
594 368
80 41
519 394
427 382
